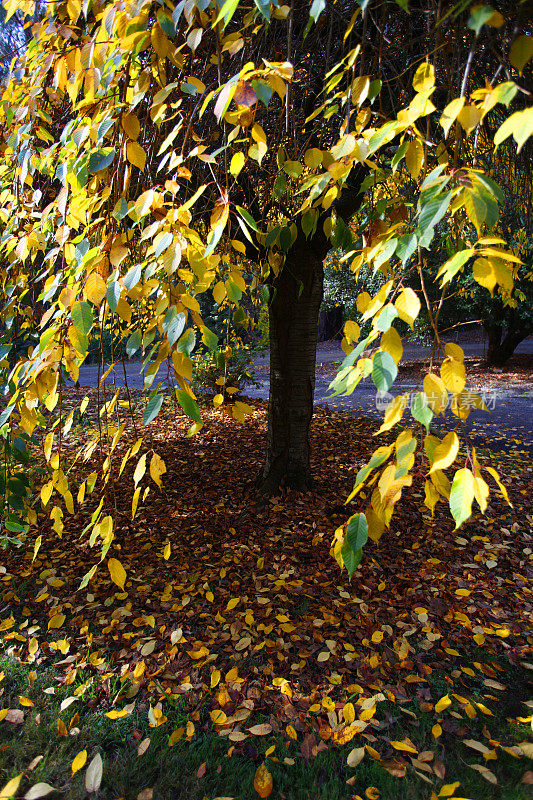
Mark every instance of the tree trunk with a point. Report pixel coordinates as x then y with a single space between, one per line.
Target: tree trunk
293 316
494 336
500 351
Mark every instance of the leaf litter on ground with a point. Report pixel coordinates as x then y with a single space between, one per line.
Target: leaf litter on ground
247 616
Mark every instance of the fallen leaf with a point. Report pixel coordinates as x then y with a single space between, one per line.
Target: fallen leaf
263 783
93 775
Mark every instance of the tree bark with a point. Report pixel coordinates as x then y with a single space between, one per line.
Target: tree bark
501 348
294 310
293 319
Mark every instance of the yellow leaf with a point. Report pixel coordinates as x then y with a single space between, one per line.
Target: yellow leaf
446 452
131 125
448 789
79 761
436 731
450 114
219 292
424 78
352 331
469 117
136 155
140 469
391 342
408 305
218 717
56 621
436 393
117 572
94 289
117 713
10 789
414 158
215 678
348 713
175 736
157 468
453 374
237 163
218 399
394 412
405 746
61 728
291 732
263 783
377 637
166 551
25 701
232 603
443 703
454 351
355 756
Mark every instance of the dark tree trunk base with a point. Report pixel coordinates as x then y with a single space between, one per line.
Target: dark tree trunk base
293 316
290 476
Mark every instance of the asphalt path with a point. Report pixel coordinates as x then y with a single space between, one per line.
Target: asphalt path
508 426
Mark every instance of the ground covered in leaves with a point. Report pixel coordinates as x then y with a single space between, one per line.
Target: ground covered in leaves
238 643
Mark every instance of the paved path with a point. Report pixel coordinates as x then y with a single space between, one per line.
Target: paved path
508 426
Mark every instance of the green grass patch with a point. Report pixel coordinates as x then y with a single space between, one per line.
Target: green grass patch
211 766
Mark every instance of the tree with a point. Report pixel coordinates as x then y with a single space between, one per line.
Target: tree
155 153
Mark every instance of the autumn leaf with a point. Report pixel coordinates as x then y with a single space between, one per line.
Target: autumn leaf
117 572
263 783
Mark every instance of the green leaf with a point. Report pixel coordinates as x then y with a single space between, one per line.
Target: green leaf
386 317
357 531
247 217
399 154
132 276
352 547
263 91
293 168
406 247
113 295
384 370
264 8
187 342
462 496
420 409
82 316
152 409
521 52
121 209
234 292
280 186
226 12
133 343
430 214
101 159
188 404
213 239
479 17
209 338
173 325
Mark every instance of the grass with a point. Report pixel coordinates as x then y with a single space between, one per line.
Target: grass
172 772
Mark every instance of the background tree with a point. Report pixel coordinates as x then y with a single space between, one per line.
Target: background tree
153 154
